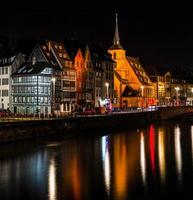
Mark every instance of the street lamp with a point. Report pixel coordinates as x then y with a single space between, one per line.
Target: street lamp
53 92
177 89
107 85
142 87
191 95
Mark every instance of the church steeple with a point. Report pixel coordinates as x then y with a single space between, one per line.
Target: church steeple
116 39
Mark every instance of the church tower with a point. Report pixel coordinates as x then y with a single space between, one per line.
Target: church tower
117 51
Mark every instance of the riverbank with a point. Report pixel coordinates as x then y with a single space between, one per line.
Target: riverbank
25 128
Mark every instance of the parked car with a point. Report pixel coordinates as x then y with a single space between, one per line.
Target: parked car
89 111
5 113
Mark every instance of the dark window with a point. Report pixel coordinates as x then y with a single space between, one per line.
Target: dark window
114 56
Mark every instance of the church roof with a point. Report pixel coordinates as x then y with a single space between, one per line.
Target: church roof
139 70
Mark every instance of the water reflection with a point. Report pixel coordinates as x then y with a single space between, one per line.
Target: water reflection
152 147
192 141
106 163
52 186
119 166
143 158
178 156
161 154
126 154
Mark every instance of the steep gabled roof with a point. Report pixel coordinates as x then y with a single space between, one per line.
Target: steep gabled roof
139 70
27 68
49 56
60 54
73 46
99 53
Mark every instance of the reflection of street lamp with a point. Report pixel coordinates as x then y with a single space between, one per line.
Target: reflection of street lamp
107 85
53 91
177 89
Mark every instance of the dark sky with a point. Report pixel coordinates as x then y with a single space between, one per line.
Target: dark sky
157 34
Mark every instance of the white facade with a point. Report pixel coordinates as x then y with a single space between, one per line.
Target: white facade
8 65
5 86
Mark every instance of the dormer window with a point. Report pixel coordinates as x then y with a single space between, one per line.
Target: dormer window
114 56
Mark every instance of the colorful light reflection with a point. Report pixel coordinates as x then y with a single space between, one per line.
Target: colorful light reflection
142 158
52 195
106 163
162 164
178 152
152 147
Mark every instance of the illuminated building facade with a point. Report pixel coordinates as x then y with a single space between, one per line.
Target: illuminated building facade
76 52
8 65
104 79
132 86
66 79
161 79
32 88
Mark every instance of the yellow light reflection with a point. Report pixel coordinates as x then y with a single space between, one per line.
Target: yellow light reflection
106 163
126 154
142 158
52 180
76 178
178 152
192 141
162 164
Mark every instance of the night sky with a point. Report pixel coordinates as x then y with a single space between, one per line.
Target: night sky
157 34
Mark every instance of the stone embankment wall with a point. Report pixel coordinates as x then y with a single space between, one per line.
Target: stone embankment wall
166 113
11 131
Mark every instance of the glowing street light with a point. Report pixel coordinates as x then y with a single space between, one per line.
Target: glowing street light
177 89
53 90
107 85
142 88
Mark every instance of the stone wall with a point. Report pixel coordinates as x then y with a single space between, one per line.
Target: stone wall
11 131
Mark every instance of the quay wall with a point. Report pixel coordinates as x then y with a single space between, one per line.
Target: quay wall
12 131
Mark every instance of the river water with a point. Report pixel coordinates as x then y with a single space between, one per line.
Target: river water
150 162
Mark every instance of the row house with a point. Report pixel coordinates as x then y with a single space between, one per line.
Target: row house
32 85
8 65
76 54
132 86
104 77
55 90
89 79
170 88
181 91
67 82
94 74
161 79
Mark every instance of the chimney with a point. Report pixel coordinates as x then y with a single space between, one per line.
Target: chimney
33 60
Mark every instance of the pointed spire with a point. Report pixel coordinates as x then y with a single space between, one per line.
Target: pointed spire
116 39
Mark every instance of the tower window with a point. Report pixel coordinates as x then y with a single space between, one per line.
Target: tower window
114 56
